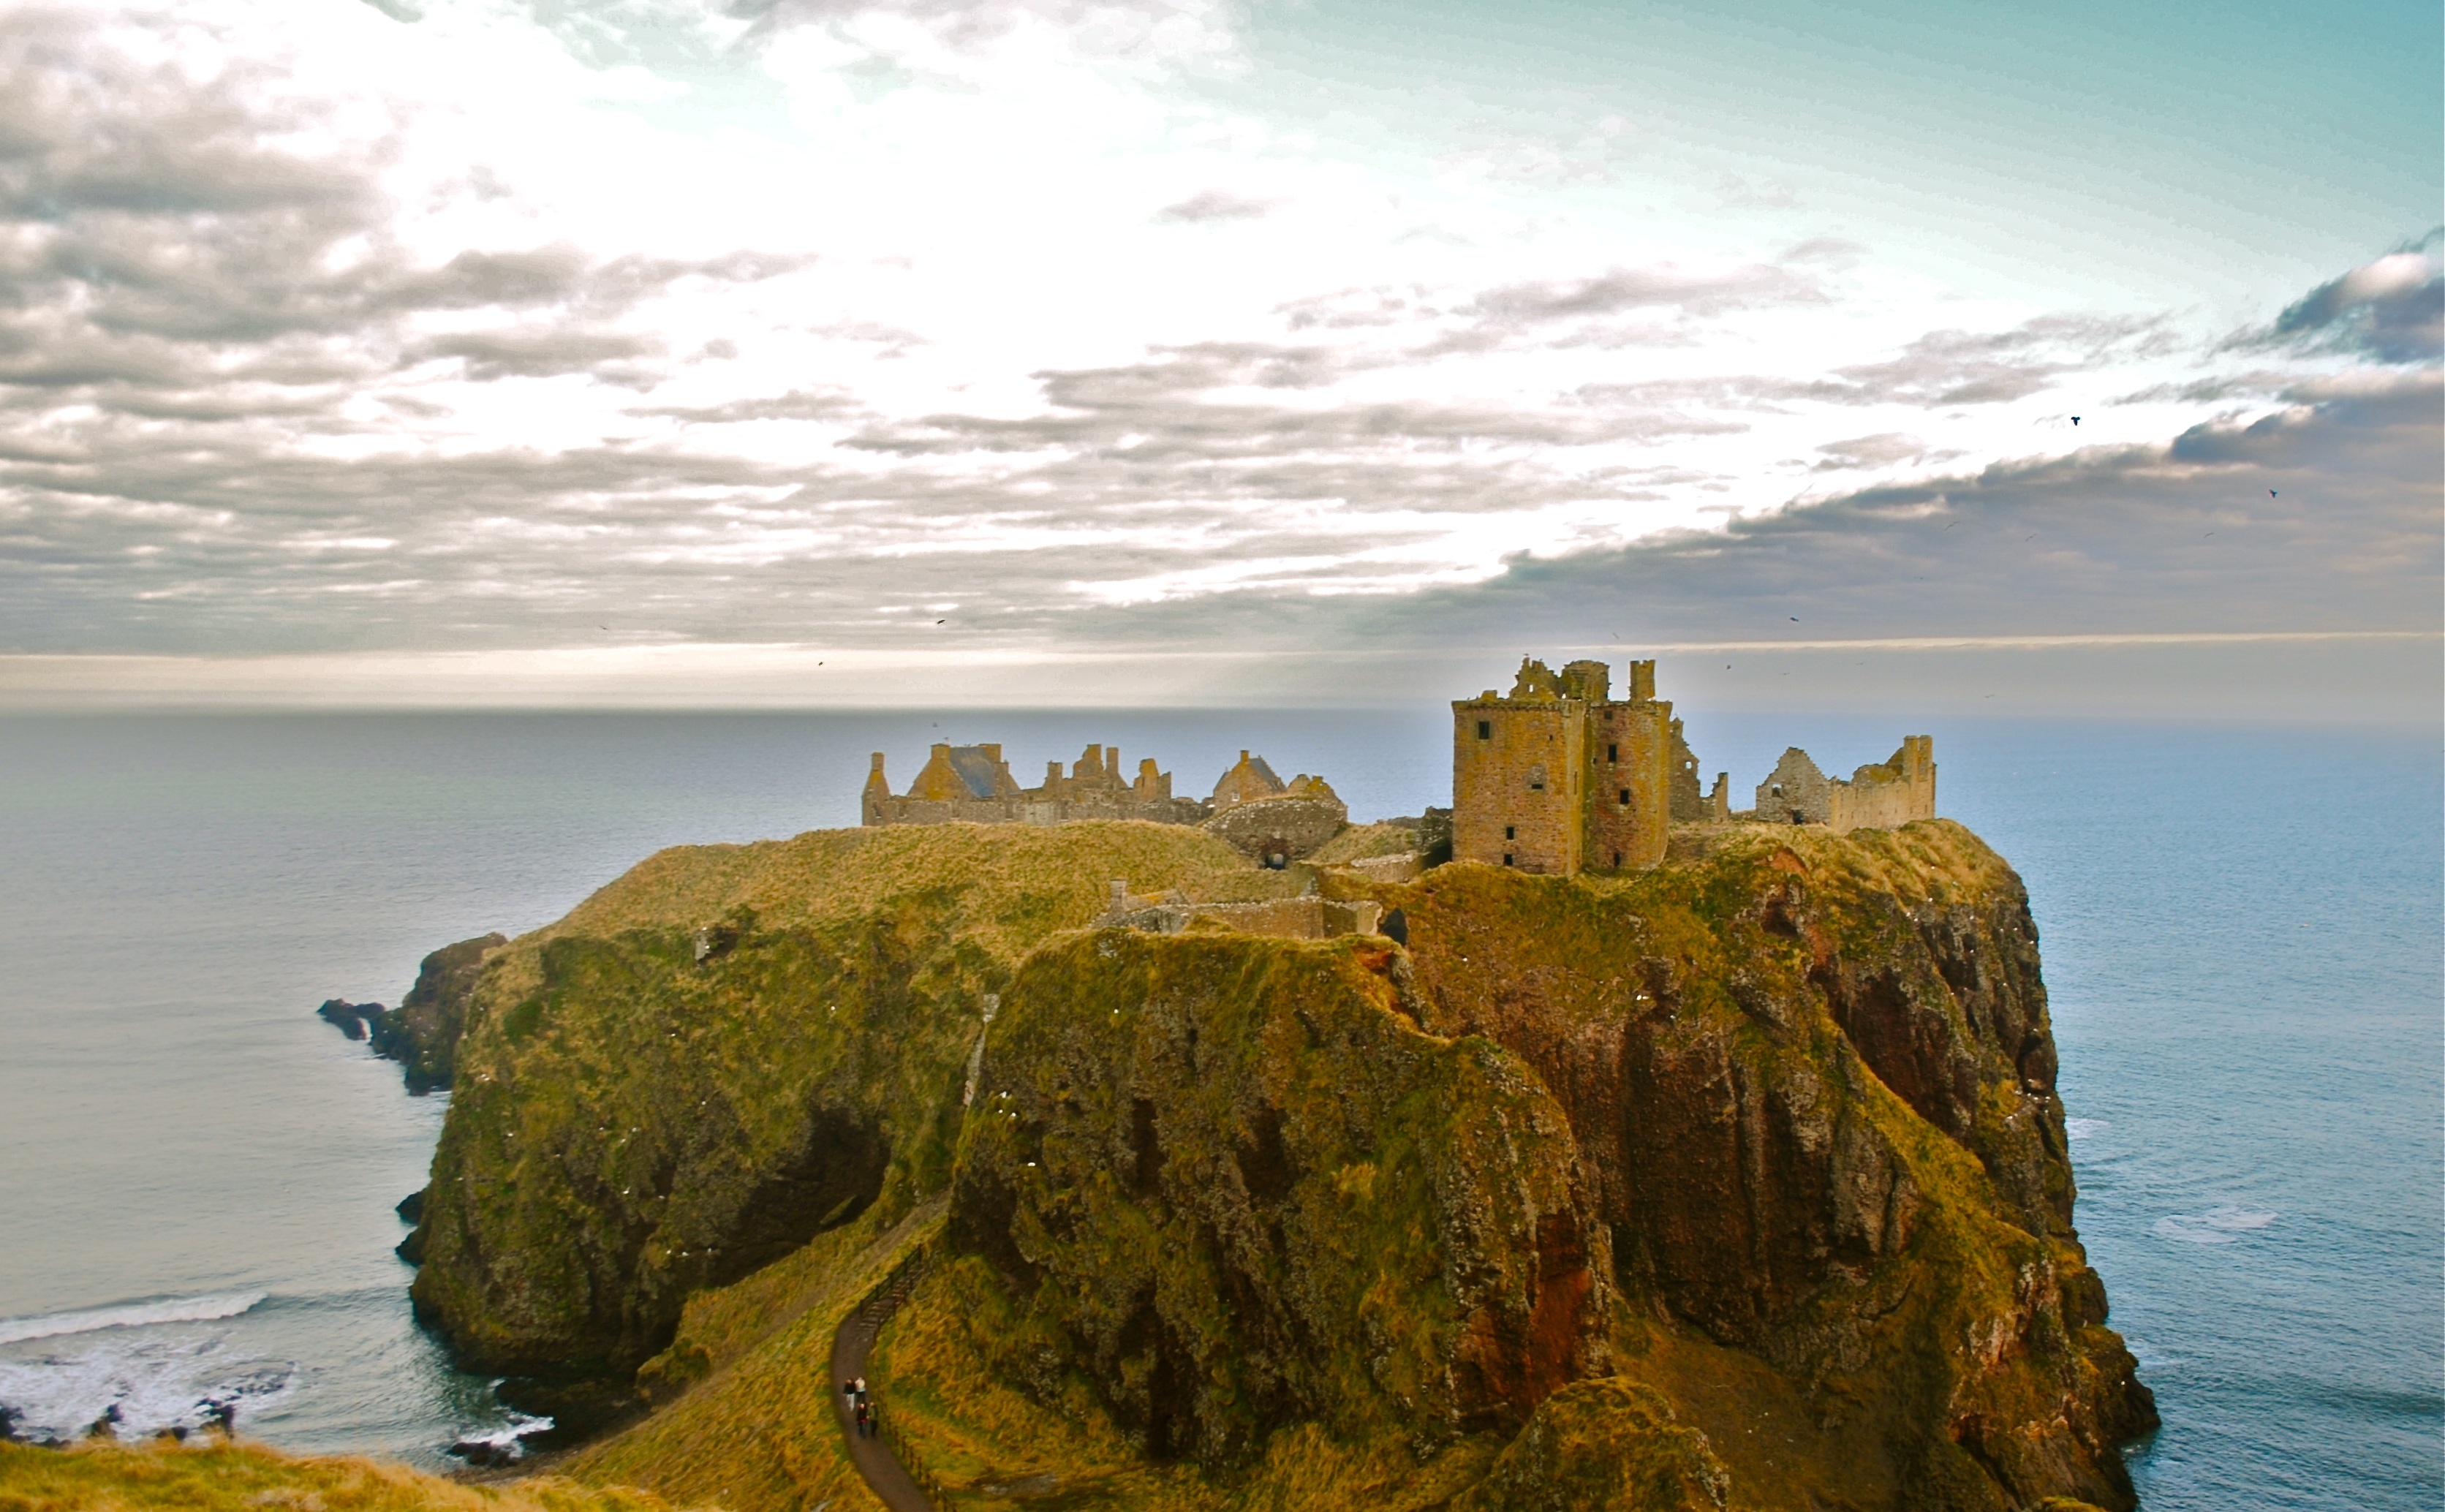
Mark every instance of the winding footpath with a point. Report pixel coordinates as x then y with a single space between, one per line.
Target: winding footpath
888 1478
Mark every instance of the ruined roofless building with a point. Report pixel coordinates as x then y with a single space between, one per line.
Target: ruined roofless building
1880 796
973 783
1558 776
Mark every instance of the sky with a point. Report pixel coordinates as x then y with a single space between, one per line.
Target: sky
817 353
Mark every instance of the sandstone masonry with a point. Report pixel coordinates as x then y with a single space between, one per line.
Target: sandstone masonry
1269 820
1558 776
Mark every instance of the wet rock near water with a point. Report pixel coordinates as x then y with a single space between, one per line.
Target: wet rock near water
350 1018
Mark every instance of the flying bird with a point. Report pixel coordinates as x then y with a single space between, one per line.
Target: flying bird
2075 420
2270 492
1794 619
941 622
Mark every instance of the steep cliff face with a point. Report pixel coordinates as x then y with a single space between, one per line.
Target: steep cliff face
725 1052
1738 1183
1815 1077
1229 1179
422 1033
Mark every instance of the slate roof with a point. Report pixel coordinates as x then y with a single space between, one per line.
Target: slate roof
977 771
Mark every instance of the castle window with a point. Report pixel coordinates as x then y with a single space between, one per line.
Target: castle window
1612 753
1625 797
1510 831
1486 729
1616 861
1506 858
1778 790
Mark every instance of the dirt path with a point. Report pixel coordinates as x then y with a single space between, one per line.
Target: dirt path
888 1478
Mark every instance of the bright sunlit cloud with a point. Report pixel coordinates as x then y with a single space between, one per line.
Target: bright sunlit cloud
465 327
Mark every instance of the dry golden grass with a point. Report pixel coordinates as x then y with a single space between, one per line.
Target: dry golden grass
751 1425
219 1476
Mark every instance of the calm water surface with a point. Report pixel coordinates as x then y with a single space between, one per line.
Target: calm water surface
2241 927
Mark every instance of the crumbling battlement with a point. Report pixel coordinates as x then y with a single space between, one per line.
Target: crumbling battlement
1878 797
1272 821
1558 776
973 783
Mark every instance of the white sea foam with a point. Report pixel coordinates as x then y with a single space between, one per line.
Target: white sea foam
153 1380
2217 1225
138 1315
508 1442
2077 1129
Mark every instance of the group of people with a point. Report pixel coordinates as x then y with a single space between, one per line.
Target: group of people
861 1406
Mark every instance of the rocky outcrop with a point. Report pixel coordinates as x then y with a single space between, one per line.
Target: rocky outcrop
421 1034
1588 1178
1604 1443
726 1051
1225 1174
1815 1077
349 1018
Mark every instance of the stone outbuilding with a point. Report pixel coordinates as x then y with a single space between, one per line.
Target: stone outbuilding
1880 796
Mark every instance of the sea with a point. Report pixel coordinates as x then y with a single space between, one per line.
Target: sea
2242 924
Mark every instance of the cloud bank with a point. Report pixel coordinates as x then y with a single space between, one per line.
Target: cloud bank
930 332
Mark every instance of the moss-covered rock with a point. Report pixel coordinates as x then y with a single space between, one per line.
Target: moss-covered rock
1814 1076
1770 1133
1605 1445
728 1050
1231 1175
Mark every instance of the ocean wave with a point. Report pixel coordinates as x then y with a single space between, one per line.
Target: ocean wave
148 1382
503 1445
2217 1225
137 1315
2077 1129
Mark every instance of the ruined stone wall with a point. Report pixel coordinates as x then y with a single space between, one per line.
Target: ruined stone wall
1795 791
1288 827
1882 796
1629 784
1891 792
1290 918
1689 798
1519 772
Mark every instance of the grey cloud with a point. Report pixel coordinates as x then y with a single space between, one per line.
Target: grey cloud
1987 367
493 355
798 404
2392 308
2180 537
1871 450
1210 205
1627 289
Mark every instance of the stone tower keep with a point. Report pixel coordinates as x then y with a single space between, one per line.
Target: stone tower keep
1558 776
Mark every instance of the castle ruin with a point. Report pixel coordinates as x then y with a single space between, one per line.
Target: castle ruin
1557 777
1267 819
1878 797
